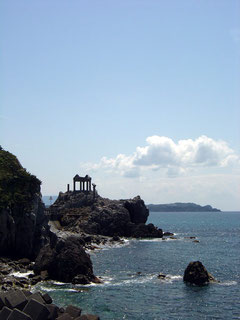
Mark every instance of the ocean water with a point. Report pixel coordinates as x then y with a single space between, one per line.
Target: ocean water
131 289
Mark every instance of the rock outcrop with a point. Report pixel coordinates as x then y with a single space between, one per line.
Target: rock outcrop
23 223
137 210
81 212
197 274
65 260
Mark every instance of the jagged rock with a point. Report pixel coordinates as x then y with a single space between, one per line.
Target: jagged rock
196 273
64 261
137 210
146 231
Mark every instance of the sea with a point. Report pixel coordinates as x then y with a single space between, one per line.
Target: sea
131 288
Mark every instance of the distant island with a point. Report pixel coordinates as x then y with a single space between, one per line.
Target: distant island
181 207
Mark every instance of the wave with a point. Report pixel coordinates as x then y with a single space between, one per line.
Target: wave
18 274
50 289
135 279
150 240
110 245
228 283
58 283
173 278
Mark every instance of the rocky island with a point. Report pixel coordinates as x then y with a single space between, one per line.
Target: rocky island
181 207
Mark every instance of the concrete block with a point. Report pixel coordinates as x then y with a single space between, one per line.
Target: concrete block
73 311
2 300
47 298
18 315
53 311
37 296
16 299
27 293
65 316
88 317
4 313
36 310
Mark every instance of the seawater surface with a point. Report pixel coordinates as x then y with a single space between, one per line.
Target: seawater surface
131 289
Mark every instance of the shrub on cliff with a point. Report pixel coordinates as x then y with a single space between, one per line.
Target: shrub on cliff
17 186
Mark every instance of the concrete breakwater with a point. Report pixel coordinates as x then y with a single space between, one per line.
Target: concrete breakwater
25 305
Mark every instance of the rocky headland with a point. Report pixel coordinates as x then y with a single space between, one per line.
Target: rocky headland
81 212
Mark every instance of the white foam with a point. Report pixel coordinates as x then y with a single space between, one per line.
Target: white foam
151 240
21 274
174 239
140 279
49 289
58 283
171 278
228 283
135 279
113 245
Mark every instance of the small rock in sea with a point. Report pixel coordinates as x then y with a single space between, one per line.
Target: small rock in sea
115 238
168 234
197 274
196 241
162 276
173 238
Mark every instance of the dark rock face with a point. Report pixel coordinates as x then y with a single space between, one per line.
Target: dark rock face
146 231
109 220
137 210
65 260
196 273
23 224
80 212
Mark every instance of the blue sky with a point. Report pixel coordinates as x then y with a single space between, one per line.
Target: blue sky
87 85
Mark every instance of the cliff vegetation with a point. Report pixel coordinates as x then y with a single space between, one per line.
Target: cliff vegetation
17 186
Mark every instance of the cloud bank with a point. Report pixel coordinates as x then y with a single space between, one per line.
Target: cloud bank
173 159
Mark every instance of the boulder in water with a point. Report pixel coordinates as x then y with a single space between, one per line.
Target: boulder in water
196 273
66 261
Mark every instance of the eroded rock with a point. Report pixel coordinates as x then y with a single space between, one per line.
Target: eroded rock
65 261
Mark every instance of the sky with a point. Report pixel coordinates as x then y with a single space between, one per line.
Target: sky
142 95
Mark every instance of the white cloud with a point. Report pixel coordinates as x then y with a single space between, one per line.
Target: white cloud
172 158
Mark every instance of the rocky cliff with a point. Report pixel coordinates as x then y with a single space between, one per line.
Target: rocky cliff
23 223
82 212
